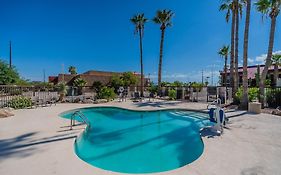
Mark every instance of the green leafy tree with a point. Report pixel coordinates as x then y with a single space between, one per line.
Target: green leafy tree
72 70
129 79
269 8
139 20
8 75
116 81
177 84
164 19
223 52
97 85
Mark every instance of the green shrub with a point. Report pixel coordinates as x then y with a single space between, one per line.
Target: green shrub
106 93
153 89
172 94
20 103
273 98
252 93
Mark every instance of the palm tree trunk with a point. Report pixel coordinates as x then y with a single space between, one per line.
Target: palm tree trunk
232 53
275 74
141 62
245 98
236 76
225 70
160 61
268 59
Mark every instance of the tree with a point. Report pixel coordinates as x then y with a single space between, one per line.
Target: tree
72 70
223 52
8 75
139 20
163 18
229 7
270 8
276 60
97 85
129 79
233 8
245 98
79 82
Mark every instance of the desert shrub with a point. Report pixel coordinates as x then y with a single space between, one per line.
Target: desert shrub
20 103
106 93
172 94
252 93
273 98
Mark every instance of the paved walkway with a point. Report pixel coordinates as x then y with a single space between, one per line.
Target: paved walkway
37 141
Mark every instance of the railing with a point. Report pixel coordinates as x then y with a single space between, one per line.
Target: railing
81 116
38 94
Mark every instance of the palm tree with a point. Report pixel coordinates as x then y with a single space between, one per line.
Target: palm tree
229 7
163 17
139 20
233 8
272 9
238 12
276 60
223 52
245 97
72 70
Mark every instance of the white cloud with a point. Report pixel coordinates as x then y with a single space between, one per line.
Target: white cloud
261 59
250 60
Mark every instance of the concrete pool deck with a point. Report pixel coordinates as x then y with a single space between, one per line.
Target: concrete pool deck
38 141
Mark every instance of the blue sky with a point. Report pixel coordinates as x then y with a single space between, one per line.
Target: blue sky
98 35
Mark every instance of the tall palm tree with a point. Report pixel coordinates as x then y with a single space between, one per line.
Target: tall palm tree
223 52
139 20
229 7
233 8
72 70
276 60
245 97
238 12
164 19
272 9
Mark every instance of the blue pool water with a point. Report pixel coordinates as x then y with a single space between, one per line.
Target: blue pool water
140 142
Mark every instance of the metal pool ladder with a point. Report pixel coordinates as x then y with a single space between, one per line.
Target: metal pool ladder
81 116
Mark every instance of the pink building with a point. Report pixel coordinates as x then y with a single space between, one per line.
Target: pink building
252 71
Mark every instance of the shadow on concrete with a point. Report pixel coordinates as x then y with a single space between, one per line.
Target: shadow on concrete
25 144
209 133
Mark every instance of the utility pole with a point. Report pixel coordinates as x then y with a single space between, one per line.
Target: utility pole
44 76
62 66
10 62
202 77
212 75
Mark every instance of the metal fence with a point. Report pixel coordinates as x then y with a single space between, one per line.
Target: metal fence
273 97
41 95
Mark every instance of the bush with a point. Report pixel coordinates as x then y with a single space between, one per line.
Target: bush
253 95
172 94
273 98
20 103
106 93
153 89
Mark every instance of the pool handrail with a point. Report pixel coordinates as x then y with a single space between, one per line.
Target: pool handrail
81 116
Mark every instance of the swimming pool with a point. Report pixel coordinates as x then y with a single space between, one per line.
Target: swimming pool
128 141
